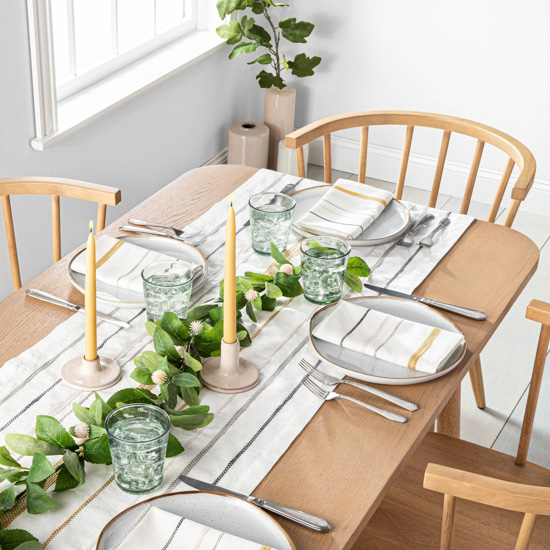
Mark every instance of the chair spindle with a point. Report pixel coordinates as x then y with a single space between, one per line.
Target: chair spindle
472 177
327 158
526 531
447 528
101 212
511 213
439 168
301 163
404 162
501 189
12 247
362 176
56 229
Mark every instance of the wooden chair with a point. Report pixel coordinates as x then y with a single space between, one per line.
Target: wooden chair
516 151
485 487
100 194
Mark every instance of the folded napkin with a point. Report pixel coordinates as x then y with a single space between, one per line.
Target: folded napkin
160 530
119 263
406 343
346 210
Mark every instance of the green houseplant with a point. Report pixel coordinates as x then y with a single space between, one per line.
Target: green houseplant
247 36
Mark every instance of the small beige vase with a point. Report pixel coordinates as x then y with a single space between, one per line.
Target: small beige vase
279 111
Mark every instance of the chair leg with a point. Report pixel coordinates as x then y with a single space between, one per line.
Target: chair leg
476 377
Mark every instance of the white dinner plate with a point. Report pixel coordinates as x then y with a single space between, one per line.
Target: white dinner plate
391 224
361 366
222 512
128 299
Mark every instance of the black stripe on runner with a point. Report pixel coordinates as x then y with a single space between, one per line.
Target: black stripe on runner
168 542
354 327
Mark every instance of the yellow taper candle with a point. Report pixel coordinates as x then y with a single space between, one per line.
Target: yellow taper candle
90 324
229 291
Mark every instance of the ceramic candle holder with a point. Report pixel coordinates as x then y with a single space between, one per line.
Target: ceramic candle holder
229 373
84 375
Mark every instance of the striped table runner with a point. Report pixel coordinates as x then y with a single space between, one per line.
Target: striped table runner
251 430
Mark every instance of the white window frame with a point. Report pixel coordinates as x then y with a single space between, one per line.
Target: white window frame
59 111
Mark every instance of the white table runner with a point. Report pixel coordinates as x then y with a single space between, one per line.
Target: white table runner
251 430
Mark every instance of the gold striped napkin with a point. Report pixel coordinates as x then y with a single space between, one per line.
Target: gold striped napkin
346 210
389 338
119 263
160 529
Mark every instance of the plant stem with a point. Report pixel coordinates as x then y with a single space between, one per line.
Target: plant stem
276 38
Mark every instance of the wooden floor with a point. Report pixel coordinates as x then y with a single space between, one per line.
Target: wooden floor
508 358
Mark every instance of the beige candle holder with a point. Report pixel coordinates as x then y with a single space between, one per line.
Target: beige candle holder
84 375
229 373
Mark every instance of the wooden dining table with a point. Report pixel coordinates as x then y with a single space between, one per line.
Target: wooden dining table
345 460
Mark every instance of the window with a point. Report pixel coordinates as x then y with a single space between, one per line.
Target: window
91 54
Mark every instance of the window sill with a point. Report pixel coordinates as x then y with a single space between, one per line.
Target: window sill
86 106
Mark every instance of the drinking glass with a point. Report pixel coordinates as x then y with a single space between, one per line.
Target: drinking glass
324 263
138 435
167 286
270 219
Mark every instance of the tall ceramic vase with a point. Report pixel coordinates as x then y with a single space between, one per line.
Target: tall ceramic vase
278 117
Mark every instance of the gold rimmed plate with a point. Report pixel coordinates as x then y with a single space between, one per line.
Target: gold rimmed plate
128 299
361 366
225 513
392 223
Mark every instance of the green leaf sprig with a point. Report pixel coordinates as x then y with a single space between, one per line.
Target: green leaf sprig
247 36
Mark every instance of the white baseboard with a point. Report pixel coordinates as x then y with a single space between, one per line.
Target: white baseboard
383 163
220 158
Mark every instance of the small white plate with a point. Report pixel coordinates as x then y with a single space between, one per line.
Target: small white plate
361 366
222 512
391 224
128 299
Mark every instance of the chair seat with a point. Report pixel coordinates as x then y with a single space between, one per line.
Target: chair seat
410 516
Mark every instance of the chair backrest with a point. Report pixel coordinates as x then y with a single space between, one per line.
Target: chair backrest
100 194
528 499
516 151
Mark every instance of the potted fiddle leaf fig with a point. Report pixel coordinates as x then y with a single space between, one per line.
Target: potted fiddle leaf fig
266 42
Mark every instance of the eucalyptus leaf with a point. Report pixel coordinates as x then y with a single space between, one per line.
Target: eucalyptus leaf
164 345
30 545
257 302
353 282
97 450
268 304
241 335
6 473
185 380
41 468
259 276
150 360
290 286
246 342
216 314
65 480
174 327
277 255
273 291
295 31
142 375
358 267
188 411
189 395
191 362
83 414
74 466
26 445
192 422
150 327
10 539
7 499
127 396
49 429
99 410
250 312
174 447
170 394
6 459
38 501
200 312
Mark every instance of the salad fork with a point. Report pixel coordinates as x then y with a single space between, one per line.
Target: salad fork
178 232
332 381
330 395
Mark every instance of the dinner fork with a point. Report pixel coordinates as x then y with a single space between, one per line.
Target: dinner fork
428 241
332 381
407 239
178 232
329 395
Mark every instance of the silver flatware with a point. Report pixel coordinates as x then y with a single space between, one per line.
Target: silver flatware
332 381
407 239
303 518
132 229
178 232
459 310
321 393
50 299
428 241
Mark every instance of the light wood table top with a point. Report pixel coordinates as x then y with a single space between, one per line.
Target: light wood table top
342 464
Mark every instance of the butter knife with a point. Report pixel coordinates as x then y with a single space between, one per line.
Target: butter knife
50 299
303 518
459 310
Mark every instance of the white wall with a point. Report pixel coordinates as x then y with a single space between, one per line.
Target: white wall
484 60
139 148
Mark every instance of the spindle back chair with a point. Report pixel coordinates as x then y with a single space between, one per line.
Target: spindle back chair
55 187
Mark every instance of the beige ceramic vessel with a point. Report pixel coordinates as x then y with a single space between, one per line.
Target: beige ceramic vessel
279 111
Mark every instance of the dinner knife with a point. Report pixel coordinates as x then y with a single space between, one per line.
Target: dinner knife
303 518
459 310
45 297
